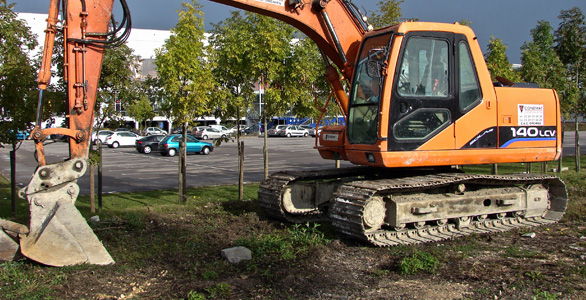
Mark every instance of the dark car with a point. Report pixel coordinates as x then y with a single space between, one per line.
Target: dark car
149 144
170 145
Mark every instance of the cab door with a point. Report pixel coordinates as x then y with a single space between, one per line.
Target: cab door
423 102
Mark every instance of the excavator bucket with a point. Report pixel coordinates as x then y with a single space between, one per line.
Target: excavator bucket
9 247
58 234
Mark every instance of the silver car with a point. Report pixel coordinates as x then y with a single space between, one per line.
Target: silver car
209 133
293 130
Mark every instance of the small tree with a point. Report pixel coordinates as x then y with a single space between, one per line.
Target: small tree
497 60
141 110
185 75
17 83
389 13
571 49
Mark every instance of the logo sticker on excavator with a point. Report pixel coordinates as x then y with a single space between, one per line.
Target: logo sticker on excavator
275 2
530 114
331 137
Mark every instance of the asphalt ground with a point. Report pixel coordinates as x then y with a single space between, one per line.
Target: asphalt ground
126 170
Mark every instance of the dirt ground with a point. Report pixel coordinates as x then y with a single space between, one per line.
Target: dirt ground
177 256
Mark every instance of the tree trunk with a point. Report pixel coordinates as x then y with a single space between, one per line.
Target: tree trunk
183 167
92 189
577 136
100 182
13 180
265 150
241 171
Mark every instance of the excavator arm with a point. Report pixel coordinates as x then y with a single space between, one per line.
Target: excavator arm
57 234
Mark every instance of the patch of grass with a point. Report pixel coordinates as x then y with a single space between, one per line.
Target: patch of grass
286 245
534 275
419 261
22 281
517 252
193 295
220 290
544 295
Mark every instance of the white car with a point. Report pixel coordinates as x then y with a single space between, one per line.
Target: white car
223 129
101 136
292 130
210 133
154 130
121 138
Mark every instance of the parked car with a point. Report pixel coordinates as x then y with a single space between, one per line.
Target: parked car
170 145
293 130
275 130
101 135
315 131
154 130
197 129
210 133
121 138
223 129
149 143
22 135
254 129
179 130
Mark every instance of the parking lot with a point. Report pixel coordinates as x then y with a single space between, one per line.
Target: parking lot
125 170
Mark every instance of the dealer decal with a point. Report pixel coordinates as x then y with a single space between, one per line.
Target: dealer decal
530 114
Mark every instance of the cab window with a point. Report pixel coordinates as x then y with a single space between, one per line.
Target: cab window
424 68
469 88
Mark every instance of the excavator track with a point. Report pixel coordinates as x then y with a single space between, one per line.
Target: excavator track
363 208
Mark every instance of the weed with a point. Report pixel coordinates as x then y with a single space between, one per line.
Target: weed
135 220
288 245
534 275
193 295
544 295
517 252
209 275
220 290
419 261
379 273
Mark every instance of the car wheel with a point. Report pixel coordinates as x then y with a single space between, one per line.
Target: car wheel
172 152
223 136
146 150
305 134
115 145
288 135
205 151
205 137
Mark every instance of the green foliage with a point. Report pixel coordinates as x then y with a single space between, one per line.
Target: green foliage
220 290
296 240
209 275
571 49
193 295
389 13
419 261
17 75
544 295
498 62
540 61
21 283
141 110
184 74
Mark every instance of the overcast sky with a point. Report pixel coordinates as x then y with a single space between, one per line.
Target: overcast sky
509 20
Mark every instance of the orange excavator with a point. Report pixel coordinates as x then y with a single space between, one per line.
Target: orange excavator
421 102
